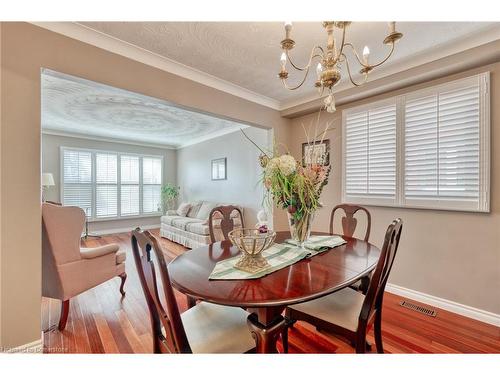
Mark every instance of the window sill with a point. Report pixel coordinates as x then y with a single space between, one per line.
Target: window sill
131 217
421 204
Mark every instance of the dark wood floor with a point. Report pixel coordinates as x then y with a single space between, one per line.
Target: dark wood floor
100 321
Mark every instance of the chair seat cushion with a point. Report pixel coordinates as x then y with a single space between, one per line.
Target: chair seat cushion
341 308
121 255
214 328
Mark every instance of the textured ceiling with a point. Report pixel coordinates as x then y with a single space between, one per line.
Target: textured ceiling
247 54
76 106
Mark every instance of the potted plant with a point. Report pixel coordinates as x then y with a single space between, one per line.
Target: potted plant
169 193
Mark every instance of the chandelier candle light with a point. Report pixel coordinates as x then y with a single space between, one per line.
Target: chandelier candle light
331 58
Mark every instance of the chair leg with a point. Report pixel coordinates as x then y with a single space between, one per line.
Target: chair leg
123 276
361 341
284 339
64 315
191 302
289 322
377 328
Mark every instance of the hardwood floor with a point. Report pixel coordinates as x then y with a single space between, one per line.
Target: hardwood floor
101 321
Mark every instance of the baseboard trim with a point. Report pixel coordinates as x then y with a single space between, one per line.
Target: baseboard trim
34 347
454 307
122 230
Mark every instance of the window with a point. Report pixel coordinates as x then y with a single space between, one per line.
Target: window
151 181
425 149
77 180
106 193
370 151
130 202
109 185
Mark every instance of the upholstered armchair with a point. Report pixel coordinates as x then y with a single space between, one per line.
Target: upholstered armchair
67 269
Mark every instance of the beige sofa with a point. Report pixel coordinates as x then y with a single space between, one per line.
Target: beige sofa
192 230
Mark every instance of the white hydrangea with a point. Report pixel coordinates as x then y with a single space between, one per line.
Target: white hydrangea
272 165
287 164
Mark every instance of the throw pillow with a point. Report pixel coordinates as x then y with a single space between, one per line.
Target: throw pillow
183 209
205 210
195 206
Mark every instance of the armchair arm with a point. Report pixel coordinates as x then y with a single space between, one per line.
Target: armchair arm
94 252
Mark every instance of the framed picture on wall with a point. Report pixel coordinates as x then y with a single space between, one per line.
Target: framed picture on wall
316 153
219 169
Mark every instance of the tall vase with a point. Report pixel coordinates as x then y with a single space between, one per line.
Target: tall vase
300 229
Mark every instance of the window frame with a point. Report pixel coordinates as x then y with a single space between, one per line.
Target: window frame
94 184
482 204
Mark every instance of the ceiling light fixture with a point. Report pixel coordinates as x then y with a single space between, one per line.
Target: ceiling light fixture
331 58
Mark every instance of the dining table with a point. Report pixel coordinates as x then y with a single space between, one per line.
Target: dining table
267 297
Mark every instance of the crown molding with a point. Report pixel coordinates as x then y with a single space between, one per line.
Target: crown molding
104 41
96 38
61 133
216 134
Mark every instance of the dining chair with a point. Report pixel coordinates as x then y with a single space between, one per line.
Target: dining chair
226 215
204 328
349 224
348 313
67 269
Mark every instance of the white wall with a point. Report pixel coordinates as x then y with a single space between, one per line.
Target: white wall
51 164
242 186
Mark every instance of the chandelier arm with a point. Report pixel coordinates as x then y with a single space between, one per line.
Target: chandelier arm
300 84
386 58
349 72
310 58
370 65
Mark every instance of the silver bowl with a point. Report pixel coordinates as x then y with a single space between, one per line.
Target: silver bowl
251 244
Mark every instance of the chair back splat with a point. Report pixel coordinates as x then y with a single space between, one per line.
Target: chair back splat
224 213
172 338
349 222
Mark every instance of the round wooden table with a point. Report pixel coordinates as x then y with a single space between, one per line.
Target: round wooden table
267 297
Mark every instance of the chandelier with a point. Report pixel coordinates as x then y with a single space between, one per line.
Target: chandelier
331 58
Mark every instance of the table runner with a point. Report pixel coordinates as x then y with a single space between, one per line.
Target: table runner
278 256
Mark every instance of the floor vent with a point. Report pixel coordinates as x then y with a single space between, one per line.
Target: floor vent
417 308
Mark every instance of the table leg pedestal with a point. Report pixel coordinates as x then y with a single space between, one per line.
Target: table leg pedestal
266 333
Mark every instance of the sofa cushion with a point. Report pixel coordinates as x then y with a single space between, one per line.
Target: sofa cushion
183 209
193 211
183 222
198 228
167 219
205 210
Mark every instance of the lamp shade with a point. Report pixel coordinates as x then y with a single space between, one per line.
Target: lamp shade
47 179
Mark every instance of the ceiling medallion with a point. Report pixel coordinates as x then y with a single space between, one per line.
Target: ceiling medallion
331 58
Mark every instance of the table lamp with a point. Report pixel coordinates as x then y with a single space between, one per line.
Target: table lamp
47 181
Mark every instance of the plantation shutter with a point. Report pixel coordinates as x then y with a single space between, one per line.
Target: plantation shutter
151 189
77 180
370 153
442 137
421 147
129 190
429 149
106 185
